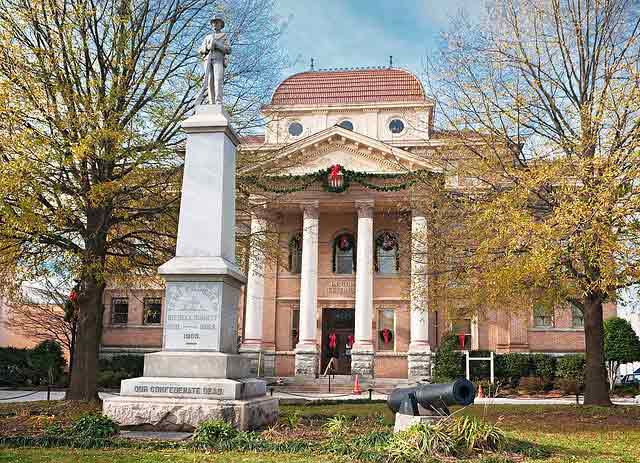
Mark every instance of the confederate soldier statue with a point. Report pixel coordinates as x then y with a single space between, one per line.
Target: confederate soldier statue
214 51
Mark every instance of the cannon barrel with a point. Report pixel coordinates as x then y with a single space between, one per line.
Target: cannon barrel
433 396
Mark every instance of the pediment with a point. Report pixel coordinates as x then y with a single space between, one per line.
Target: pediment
351 150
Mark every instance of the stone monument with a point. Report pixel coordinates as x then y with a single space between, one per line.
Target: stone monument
199 374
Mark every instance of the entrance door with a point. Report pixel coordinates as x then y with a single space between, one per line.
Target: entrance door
338 322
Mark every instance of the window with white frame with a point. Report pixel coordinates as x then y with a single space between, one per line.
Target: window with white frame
386 329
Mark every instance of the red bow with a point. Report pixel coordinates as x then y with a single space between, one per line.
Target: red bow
386 336
335 171
461 338
332 341
73 296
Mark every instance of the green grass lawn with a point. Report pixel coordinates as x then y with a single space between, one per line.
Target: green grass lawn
141 456
561 434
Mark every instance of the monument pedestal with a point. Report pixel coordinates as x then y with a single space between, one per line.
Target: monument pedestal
167 414
199 374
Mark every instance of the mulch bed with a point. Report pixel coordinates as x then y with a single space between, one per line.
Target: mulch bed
33 418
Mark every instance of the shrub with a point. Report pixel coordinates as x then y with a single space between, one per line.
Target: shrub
48 362
452 437
480 370
15 368
571 366
532 384
291 420
512 367
337 425
93 426
130 363
115 369
448 364
212 433
621 345
544 366
43 364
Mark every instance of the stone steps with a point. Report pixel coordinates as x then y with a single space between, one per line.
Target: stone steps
340 384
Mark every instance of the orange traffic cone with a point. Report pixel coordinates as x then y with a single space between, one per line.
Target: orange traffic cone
480 392
357 390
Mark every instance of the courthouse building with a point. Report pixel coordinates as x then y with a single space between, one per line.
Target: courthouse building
334 161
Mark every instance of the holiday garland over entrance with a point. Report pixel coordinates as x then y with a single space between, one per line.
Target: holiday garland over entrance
334 179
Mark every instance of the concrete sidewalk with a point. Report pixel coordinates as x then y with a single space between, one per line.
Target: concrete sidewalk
12 396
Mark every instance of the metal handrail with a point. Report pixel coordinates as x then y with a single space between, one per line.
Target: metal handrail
333 359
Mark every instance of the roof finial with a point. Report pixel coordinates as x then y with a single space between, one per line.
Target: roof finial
390 61
312 66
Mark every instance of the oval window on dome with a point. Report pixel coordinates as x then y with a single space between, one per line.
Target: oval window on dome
396 126
346 124
295 129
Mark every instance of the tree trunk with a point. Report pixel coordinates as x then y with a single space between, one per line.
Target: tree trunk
72 348
83 384
596 391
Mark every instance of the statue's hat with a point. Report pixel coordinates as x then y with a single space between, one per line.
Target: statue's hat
217 17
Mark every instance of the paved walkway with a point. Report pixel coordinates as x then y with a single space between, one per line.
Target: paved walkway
7 396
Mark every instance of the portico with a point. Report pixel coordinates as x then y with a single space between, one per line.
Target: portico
344 288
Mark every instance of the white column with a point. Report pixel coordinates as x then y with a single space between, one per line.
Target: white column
306 362
252 339
419 348
362 353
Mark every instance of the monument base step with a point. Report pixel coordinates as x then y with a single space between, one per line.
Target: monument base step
193 388
184 415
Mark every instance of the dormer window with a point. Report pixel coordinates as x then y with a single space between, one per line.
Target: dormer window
396 126
295 129
346 124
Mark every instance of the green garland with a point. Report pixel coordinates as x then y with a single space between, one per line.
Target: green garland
302 182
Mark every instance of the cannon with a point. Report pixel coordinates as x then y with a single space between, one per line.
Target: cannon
434 398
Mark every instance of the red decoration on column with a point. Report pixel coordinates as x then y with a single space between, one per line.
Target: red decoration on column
350 341
333 342
461 338
386 336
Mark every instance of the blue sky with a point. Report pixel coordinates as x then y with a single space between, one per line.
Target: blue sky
349 33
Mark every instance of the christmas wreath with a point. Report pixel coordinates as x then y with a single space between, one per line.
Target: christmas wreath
344 243
387 241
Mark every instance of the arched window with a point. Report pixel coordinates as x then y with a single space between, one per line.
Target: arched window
295 253
344 254
387 259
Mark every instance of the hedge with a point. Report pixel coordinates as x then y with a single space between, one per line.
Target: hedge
44 364
115 369
449 364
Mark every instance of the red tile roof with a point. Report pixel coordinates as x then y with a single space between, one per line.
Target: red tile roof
349 86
